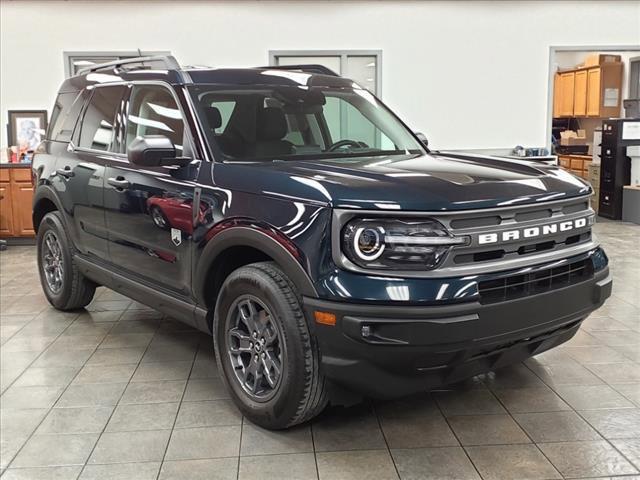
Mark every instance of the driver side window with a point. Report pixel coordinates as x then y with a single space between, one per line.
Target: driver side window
153 111
346 122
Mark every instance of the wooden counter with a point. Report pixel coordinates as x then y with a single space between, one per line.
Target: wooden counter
16 191
576 164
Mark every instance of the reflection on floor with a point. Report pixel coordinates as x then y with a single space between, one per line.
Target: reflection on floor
118 391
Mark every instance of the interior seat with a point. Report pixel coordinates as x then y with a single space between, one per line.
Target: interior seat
271 128
226 141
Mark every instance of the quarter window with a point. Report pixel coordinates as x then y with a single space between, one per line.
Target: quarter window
98 124
153 111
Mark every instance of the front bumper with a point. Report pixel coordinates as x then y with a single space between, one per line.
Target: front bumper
387 351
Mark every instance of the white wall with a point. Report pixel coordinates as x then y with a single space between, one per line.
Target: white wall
468 74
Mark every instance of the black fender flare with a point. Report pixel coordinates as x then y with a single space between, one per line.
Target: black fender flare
250 236
44 192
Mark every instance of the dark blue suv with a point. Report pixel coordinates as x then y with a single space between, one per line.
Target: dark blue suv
294 217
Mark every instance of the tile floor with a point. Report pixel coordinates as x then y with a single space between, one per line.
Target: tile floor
119 392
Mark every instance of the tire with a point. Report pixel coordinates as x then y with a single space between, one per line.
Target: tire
301 390
74 290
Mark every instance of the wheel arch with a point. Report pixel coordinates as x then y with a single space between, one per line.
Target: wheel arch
240 245
44 201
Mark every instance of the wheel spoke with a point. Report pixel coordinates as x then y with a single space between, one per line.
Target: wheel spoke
240 342
271 368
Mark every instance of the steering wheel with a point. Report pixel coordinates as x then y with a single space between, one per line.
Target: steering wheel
344 143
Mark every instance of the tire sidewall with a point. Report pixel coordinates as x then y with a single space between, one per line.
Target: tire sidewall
52 222
277 411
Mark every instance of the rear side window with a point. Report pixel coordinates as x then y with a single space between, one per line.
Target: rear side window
153 111
98 124
64 116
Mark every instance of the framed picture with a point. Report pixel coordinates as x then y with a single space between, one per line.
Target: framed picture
26 128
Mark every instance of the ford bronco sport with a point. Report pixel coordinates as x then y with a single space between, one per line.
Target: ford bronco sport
291 215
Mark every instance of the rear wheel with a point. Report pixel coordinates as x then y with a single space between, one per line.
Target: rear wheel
269 359
63 284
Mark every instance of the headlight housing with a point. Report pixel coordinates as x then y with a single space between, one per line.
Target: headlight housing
397 244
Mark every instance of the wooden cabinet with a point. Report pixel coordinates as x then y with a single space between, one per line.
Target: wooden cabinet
557 97
589 92
16 204
567 88
580 94
605 90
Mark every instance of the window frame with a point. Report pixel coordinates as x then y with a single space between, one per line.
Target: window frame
75 137
123 110
125 114
275 55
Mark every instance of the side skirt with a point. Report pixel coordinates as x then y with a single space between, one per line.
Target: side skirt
177 308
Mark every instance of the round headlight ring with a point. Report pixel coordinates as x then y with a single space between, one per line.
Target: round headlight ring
373 237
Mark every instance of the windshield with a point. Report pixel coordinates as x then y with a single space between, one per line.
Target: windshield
293 122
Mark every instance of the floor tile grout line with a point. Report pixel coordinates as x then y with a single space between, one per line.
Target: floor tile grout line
115 406
577 412
175 419
57 398
44 350
453 432
524 431
384 437
240 449
313 446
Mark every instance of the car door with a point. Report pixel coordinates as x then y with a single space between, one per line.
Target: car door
80 170
150 210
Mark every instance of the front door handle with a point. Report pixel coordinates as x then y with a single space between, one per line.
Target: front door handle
65 172
119 182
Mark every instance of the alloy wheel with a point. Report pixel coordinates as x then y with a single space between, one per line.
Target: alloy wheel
255 347
52 262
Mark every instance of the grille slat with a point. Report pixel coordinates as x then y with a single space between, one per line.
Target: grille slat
527 284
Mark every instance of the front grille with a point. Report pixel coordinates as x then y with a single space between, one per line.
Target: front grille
534 283
516 218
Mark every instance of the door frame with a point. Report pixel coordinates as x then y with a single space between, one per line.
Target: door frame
551 73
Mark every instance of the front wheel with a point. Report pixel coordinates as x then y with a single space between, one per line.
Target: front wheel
269 360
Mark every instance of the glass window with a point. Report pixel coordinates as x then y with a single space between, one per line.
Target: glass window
98 123
153 111
66 104
288 122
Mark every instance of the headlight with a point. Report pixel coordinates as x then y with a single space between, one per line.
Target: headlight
392 244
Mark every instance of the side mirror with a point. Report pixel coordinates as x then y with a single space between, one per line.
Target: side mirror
423 139
154 151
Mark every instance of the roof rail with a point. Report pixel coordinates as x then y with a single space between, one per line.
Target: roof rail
167 61
308 68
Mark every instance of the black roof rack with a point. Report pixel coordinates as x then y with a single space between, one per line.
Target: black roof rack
166 61
308 68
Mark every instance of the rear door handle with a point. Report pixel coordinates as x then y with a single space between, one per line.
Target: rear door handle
119 182
65 172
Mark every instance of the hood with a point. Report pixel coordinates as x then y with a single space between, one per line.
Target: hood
430 182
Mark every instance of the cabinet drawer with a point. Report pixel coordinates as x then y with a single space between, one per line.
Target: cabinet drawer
577 173
577 164
565 162
4 174
21 174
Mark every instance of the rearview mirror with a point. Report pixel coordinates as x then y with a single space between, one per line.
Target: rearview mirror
423 139
154 151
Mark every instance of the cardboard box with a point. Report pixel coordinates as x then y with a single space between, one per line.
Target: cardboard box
596 59
569 137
